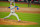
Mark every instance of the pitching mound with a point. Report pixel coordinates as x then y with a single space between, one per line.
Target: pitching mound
15 22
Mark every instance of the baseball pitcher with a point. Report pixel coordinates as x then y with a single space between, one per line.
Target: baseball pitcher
12 11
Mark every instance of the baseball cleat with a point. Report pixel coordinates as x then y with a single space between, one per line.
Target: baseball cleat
4 18
19 20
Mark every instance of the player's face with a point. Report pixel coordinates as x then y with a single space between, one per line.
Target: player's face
11 5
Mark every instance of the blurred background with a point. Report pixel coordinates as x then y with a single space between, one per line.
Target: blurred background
29 10
33 1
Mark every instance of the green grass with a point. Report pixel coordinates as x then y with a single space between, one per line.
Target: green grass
24 17
18 4
19 25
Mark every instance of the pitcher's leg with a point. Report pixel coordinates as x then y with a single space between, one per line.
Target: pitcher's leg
16 15
7 16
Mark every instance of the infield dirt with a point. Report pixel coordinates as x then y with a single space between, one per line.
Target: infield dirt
15 22
21 9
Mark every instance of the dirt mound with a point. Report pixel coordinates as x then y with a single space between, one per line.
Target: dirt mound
15 22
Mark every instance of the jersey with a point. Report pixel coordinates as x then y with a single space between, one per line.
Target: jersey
12 9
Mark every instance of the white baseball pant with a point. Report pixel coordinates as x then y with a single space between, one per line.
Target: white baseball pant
13 14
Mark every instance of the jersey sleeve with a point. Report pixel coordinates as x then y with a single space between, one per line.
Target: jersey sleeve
8 7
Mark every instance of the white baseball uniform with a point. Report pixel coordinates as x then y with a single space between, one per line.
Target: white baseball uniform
12 13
